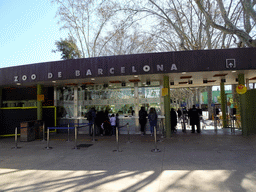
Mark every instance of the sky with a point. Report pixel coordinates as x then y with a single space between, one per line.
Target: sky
28 32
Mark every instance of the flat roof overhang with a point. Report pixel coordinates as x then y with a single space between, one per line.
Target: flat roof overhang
183 67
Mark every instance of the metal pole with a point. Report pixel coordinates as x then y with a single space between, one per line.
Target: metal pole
93 133
155 150
155 136
48 138
215 123
76 138
117 141
16 137
129 138
68 133
43 131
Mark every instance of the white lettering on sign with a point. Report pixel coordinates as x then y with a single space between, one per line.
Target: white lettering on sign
133 69
160 67
77 73
122 69
88 72
24 77
173 67
100 71
16 78
59 75
146 68
50 75
111 71
33 77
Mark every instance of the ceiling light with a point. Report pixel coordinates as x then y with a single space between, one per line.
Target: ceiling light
136 76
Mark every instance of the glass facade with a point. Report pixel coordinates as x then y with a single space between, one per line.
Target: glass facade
73 102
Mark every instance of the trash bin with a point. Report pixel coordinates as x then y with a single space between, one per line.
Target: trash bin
27 131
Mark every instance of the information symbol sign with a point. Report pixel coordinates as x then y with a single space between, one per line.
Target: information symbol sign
230 63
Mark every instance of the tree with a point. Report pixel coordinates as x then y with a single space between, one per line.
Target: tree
238 17
89 22
178 25
68 48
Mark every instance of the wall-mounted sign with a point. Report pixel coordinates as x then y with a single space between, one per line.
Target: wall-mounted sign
230 63
40 97
164 91
241 89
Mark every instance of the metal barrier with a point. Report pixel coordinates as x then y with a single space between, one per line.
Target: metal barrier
48 135
43 131
16 139
155 150
117 142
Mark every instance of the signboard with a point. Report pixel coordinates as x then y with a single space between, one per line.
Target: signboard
241 89
230 63
40 97
164 91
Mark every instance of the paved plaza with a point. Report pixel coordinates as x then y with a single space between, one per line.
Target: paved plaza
210 161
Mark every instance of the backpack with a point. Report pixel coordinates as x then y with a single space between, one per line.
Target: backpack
152 116
89 116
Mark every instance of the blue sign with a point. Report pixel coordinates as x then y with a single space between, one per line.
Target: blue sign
183 104
213 105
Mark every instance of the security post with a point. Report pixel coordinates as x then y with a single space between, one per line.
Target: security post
93 133
155 150
129 137
16 139
76 137
117 142
68 133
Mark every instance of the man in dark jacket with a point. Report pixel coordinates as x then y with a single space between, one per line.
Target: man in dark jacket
173 120
91 115
194 119
143 119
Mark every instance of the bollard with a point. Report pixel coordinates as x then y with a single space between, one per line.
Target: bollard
68 133
128 129
117 141
48 138
93 133
155 150
43 131
16 139
215 124
76 138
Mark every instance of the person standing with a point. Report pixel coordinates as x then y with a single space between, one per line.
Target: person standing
173 120
194 119
143 119
91 115
152 117
113 123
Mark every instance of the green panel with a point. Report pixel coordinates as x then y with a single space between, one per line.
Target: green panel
167 108
39 103
250 112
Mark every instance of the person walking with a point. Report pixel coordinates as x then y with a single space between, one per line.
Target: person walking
152 117
143 120
194 119
91 115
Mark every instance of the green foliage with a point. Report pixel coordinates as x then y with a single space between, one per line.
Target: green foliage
68 49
